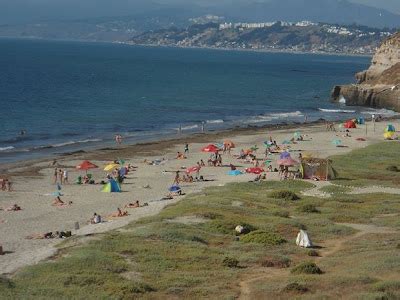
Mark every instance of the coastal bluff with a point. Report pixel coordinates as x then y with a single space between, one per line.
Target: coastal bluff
379 86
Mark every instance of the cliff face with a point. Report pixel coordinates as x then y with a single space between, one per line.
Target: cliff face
379 86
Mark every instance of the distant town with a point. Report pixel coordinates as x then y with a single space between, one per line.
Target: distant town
304 36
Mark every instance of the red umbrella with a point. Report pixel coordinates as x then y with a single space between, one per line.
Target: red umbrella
287 162
255 170
86 165
192 169
210 148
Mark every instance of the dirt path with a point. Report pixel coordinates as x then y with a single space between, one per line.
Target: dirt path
329 248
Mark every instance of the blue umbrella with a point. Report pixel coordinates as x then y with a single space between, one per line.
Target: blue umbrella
234 173
267 144
219 145
57 194
284 155
174 188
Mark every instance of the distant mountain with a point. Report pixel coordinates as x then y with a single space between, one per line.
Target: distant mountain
329 11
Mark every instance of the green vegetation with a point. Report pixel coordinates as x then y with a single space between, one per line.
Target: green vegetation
306 268
263 237
284 194
164 257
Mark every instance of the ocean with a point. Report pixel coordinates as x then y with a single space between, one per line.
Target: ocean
70 96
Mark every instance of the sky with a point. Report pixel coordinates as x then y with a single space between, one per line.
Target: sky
12 11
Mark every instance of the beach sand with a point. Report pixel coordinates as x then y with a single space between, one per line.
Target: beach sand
32 193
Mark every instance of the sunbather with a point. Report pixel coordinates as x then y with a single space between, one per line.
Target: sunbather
13 207
119 213
133 205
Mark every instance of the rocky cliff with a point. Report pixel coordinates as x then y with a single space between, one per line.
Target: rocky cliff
379 86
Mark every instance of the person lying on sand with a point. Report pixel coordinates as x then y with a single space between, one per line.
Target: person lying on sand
58 202
41 236
133 205
13 207
119 213
180 155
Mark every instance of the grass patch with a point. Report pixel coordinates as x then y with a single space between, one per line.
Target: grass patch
308 208
295 287
263 237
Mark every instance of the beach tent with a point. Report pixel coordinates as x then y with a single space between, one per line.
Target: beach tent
318 168
390 128
360 121
255 170
303 240
350 124
111 187
210 148
86 165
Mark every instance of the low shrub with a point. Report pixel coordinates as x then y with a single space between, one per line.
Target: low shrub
230 262
283 194
312 253
296 288
387 286
393 169
280 262
309 208
306 268
263 237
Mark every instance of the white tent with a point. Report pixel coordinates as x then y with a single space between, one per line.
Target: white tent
303 240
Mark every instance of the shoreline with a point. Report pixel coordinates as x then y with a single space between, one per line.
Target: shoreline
126 43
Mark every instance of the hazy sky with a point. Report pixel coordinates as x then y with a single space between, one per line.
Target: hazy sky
27 10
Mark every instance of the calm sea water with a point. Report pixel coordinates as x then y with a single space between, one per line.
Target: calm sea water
72 95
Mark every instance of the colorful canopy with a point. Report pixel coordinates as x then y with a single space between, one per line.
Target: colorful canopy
350 124
210 148
86 165
192 169
284 155
255 170
287 162
110 167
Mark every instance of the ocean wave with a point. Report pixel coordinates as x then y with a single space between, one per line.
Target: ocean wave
8 148
69 143
343 111
215 121
286 115
188 127
380 111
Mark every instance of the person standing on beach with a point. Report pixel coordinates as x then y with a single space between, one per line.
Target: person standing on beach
118 139
186 148
65 177
55 175
60 175
177 178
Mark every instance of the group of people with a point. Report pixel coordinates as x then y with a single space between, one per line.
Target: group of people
215 159
60 176
6 184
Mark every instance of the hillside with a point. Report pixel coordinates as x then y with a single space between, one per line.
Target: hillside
379 85
278 36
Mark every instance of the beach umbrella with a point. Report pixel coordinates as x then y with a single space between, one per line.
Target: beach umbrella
121 161
267 162
234 173
268 144
86 165
256 170
284 155
57 194
297 135
337 142
192 169
287 162
254 148
174 188
219 145
110 167
210 148
229 144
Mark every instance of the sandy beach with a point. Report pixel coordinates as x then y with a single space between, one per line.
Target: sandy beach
33 193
